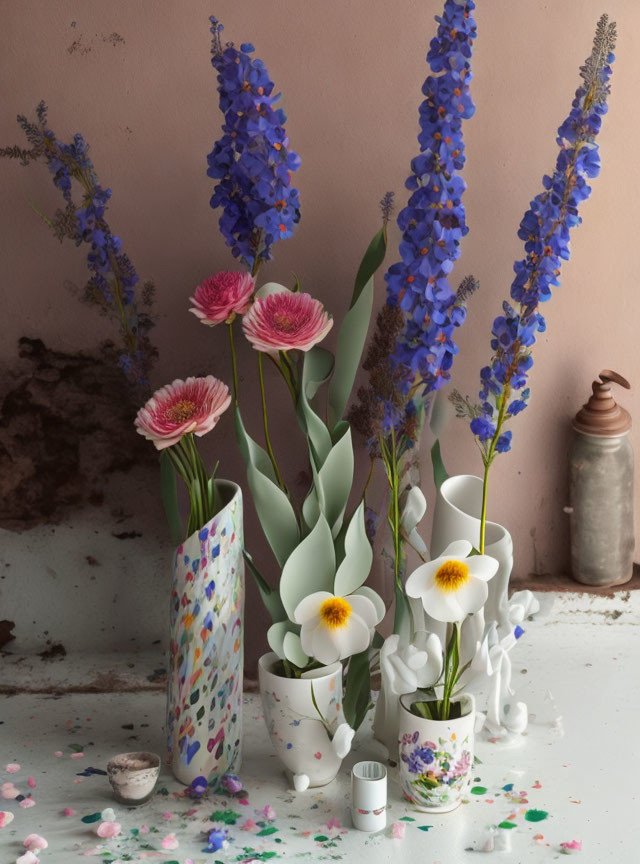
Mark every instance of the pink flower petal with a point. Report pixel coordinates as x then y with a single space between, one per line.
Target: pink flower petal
12 768
68 812
34 842
167 815
268 813
397 830
77 755
9 791
573 844
6 818
32 782
58 753
109 829
27 802
170 842
249 825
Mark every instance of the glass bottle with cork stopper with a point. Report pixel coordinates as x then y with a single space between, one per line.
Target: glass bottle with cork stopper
601 488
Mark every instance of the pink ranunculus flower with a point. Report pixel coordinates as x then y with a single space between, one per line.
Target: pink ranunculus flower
109 829
221 296
286 320
194 405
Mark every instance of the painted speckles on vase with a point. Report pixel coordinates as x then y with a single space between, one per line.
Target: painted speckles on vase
436 757
204 698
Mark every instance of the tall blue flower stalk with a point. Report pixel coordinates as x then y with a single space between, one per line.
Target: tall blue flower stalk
252 162
433 222
113 282
545 230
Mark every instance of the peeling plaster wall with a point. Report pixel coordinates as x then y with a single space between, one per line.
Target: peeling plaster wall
135 79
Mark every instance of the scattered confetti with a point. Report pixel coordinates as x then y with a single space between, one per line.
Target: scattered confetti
58 753
508 787
249 825
170 842
93 817
507 825
32 782
27 802
397 830
537 785
34 842
77 756
232 783
5 818
268 813
535 815
68 811
424 827
9 791
109 829
572 845
407 819
12 768
229 817
217 840
167 816
478 790
267 831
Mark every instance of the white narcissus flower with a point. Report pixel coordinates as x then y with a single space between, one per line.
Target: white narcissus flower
333 627
341 741
453 585
409 667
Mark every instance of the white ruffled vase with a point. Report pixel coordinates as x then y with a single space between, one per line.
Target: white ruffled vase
457 517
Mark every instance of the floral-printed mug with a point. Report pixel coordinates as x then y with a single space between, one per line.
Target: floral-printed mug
436 756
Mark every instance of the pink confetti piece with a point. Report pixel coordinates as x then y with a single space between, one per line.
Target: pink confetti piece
268 813
9 791
167 815
573 844
109 829
170 842
32 782
79 780
34 842
249 825
68 812
58 753
191 812
333 823
397 830
6 818
77 756
537 785
144 829
12 768
243 801
27 802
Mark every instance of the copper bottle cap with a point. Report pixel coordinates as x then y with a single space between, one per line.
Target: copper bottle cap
602 416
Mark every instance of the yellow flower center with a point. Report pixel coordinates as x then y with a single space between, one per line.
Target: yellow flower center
284 322
182 411
335 612
452 575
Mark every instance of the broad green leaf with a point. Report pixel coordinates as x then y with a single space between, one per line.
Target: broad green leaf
293 650
270 597
353 331
276 635
270 288
356 565
357 692
440 413
439 471
334 481
170 498
274 509
311 567
316 369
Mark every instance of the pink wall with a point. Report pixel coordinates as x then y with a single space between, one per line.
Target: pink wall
351 74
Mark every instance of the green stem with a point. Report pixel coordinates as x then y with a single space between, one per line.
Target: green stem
483 512
488 460
234 364
265 423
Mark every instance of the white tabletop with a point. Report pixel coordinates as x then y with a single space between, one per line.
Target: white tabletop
579 764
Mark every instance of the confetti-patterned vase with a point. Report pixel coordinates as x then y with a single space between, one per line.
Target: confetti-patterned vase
204 698
297 733
436 756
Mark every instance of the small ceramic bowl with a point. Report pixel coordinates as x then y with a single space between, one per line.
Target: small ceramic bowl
133 777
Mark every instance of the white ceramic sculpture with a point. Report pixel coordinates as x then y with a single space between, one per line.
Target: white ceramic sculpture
311 740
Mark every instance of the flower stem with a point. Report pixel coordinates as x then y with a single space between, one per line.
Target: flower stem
265 423
488 460
234 364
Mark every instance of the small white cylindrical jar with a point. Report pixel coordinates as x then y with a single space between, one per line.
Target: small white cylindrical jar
369 796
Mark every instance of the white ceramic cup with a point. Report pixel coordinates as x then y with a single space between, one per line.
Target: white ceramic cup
369 796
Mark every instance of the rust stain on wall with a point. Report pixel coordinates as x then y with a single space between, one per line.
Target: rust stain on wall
66 424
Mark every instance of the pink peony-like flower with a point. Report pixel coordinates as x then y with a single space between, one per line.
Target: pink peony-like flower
170 842
221 296
286 320
194 405
34 842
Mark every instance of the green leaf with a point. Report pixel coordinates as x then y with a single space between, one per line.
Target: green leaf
439 471
356 565
440 413
334 481
274 509
170 498
270 597
353 331
402 617
356 700
316 369
276 634
311 567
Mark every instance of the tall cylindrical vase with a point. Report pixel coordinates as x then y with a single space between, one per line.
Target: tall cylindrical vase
204 696
457 517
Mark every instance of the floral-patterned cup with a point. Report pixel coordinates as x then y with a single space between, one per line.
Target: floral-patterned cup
436 756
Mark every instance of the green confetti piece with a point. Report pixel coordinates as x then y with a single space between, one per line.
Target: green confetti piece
407 819
507 825
93 817
321 838
136 831
76 748
424 827
266 831
478 790
229 817
535 815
